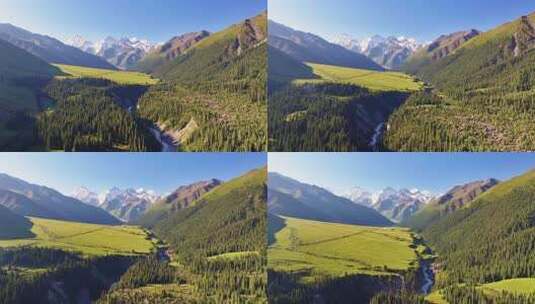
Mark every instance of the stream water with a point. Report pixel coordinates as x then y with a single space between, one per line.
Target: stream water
429 278
164 140
375 143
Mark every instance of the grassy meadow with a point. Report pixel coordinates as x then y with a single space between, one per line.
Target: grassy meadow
339 249
88 239
373 80
120 77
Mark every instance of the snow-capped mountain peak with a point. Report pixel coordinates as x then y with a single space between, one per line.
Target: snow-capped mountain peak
395 204
122 52
86 196
390 52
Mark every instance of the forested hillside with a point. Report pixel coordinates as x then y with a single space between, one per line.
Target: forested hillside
214 94
319 107
13 226
489 241
298 120
91 115
483 99
217 249
21 76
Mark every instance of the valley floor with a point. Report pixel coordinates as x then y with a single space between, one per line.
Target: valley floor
311 252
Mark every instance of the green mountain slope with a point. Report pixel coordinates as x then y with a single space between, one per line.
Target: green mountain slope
456 198
491 239
438 49
13 226
283 68
230 218
182 198
289 197
21 75
484 97
214 94
175 47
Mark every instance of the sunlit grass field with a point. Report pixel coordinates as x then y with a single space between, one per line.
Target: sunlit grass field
120 77
515 286
373 80
339 249
88 239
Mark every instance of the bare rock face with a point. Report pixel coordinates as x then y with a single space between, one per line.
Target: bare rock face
446 44
183 196
179 44
524 38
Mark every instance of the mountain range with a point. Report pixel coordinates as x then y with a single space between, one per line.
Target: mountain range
50 49
289 197
389 52
397 205
27 199
456 198
124 53
126 204
307 47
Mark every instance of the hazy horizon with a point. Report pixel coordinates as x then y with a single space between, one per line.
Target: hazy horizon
434 172
153 20
419 19
160 172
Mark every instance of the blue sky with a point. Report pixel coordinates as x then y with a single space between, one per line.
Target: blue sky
161 172
436 172
155 20
424 20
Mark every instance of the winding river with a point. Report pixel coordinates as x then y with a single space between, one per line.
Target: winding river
164 140
429 278
375 143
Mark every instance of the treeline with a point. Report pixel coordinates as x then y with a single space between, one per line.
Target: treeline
39 275
403 297
217 251
88 116
327 117
470 294
492 240
286 287
485 102
224 96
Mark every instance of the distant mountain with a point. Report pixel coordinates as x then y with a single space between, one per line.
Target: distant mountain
16 63
360 196
230 218
389 52
438 49
169 51
181 198
289 197
400 205
127 204
456 198
49 49
13 226
27 199
397 205
86 196
306 47
124 53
